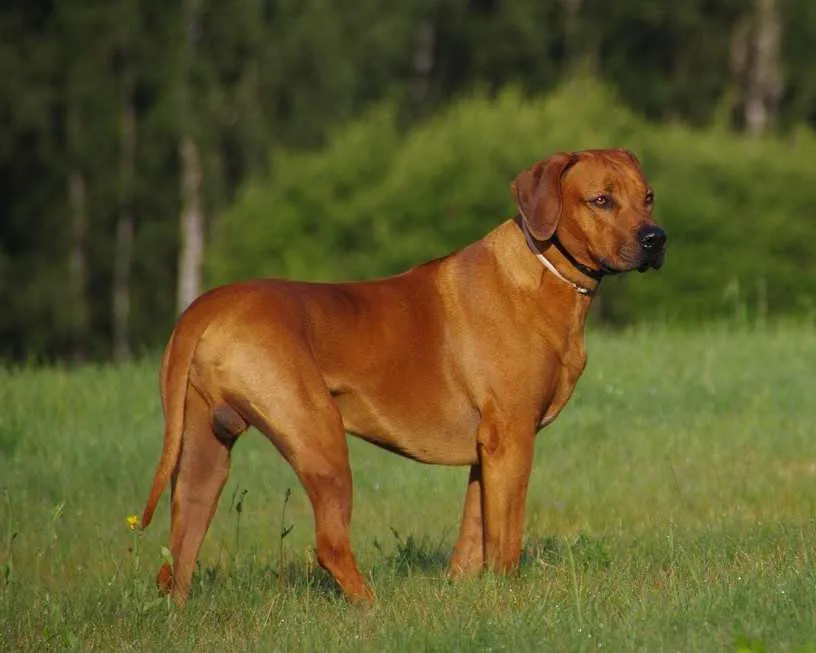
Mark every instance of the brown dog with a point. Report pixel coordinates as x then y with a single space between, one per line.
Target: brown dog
456 362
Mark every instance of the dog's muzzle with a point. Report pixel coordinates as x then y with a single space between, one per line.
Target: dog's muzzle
652 240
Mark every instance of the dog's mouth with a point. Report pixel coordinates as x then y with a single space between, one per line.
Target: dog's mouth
608 269
631 258
654 262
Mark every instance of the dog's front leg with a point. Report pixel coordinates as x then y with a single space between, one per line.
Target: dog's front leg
468 554
505 458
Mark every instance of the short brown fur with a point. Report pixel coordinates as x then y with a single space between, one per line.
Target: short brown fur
457 362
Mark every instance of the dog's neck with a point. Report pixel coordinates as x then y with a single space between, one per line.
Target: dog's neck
587 290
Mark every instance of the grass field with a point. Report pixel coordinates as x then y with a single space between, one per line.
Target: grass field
671 508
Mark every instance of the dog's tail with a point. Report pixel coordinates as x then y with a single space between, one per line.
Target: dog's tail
175 372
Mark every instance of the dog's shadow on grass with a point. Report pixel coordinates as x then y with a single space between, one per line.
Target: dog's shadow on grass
293 576
405 557
408 556
412 554
428 555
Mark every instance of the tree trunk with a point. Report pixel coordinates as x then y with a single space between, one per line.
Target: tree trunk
423 63
124 227
125 224
738 65
191 253
78 264
77 255
192 225
572 43
765 82
254 136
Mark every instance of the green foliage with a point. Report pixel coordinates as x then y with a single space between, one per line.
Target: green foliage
259 76
739 214
670 508
375 201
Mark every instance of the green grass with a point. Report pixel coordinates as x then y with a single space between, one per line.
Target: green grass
671 507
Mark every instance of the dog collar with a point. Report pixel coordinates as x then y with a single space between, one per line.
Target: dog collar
588 271
581 290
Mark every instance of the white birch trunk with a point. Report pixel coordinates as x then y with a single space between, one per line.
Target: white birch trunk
191 255
423 63
765 82
191 252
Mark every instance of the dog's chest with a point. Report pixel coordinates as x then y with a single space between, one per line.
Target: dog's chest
564 380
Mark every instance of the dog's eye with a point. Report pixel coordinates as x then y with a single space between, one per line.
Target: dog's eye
649 199
602 201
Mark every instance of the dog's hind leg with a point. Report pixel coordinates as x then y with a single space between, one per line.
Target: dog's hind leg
197 483
300 418
326 476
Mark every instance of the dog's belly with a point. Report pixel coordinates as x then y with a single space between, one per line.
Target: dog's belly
423 431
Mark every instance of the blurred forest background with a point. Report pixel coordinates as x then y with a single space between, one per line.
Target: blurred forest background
152 149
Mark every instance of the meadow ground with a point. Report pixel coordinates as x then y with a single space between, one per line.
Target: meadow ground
671 508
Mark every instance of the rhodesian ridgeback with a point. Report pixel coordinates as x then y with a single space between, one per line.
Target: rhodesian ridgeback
459 361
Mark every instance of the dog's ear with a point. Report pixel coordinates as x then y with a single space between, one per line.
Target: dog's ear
537 192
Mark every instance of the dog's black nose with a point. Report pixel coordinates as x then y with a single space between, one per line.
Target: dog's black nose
652 239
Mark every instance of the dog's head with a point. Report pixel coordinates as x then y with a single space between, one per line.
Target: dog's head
600 206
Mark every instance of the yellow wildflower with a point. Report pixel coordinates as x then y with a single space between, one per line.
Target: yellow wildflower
133 522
